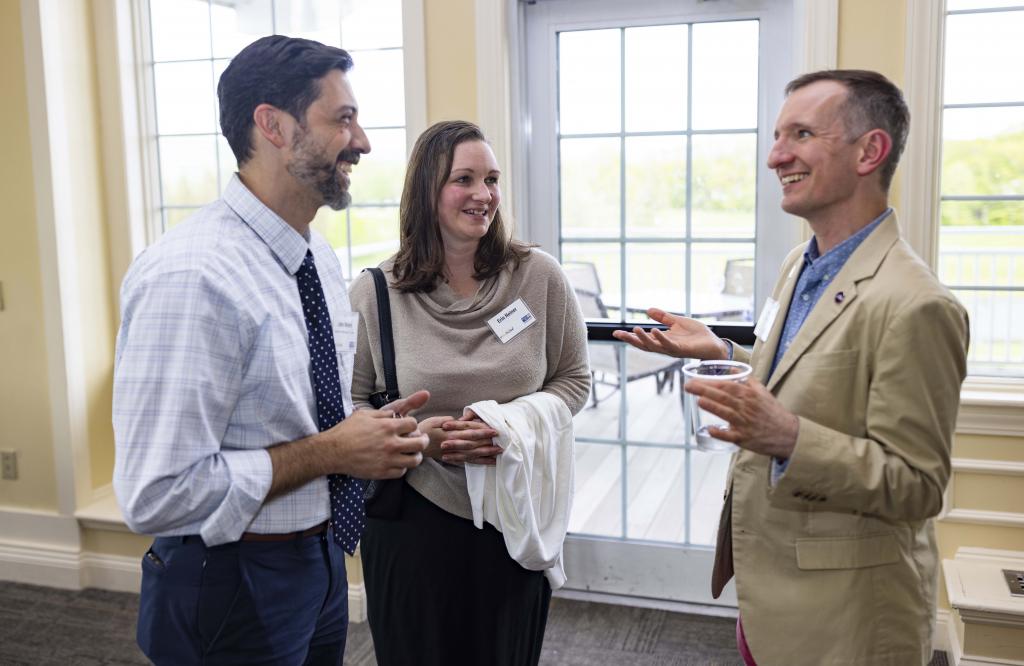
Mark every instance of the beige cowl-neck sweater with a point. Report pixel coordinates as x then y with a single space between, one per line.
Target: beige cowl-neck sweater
443 344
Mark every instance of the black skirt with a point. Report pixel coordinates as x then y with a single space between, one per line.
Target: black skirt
440 591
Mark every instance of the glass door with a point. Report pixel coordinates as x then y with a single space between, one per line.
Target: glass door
649 124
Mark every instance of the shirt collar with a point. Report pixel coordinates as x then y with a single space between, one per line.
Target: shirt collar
288 245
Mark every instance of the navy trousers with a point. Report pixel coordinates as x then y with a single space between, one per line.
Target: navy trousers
282 602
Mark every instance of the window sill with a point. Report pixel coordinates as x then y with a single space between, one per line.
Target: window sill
102 513
991 406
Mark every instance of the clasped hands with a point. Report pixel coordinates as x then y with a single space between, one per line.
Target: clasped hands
757 420
461 440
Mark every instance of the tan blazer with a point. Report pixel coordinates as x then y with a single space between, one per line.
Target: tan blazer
837 564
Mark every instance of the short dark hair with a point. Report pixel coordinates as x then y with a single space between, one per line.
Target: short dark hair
419 263
282 71
872 102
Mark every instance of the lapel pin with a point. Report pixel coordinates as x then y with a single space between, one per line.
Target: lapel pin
839 297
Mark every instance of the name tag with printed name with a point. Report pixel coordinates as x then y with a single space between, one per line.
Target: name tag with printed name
767 318
345 332
511 321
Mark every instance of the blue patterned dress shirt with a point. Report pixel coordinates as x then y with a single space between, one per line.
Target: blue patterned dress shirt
816 272
212 367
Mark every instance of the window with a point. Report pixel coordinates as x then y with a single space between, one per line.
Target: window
658 164
191 42
981 238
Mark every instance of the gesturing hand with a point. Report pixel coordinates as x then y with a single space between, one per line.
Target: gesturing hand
685 337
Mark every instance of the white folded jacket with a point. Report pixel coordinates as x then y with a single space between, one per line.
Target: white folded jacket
528 494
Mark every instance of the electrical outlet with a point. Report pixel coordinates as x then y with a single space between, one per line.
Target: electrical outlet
9 465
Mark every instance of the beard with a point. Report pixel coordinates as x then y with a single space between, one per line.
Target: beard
315 169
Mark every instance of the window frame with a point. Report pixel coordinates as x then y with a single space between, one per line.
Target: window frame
988 405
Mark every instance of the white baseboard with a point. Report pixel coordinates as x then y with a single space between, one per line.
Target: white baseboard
111 572
956 656
54 566
40 565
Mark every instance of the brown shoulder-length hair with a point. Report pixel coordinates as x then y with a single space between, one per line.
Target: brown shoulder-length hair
419 263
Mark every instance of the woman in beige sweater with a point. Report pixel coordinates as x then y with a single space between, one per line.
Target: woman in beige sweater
440 591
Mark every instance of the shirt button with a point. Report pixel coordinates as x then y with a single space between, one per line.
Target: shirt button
805 297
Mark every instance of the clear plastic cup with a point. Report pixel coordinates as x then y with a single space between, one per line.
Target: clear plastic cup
701 420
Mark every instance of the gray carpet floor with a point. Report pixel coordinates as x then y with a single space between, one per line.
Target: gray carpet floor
44 626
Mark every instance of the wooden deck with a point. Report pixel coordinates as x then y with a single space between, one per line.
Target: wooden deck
656 477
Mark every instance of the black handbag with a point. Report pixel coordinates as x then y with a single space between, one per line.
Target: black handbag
383 497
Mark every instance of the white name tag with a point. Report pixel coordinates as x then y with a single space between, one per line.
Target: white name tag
767 318
511 321
345 332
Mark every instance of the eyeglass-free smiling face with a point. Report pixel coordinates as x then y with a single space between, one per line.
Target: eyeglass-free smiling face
470 195
812 155
329 142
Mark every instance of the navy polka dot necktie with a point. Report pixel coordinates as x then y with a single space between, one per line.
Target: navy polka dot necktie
348 515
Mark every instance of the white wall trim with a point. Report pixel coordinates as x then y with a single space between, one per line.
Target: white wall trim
118 573
992 406
126 169
980 517
67 568
957 657
994 467
922 161
414 59
816 32
493 101
998 418
48 130
38 565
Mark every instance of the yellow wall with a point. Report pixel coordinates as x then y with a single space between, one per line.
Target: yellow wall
24 385
871 36
451 59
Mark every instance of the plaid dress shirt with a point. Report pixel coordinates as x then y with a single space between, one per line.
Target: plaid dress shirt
212 367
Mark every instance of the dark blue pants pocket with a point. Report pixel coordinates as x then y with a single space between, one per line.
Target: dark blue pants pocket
171 575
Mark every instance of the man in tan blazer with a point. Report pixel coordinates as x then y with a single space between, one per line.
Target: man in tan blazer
845 430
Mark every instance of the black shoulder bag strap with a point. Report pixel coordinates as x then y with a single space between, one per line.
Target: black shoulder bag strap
387 342
383 497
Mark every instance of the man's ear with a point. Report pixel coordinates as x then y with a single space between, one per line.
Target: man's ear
875 148
267 119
